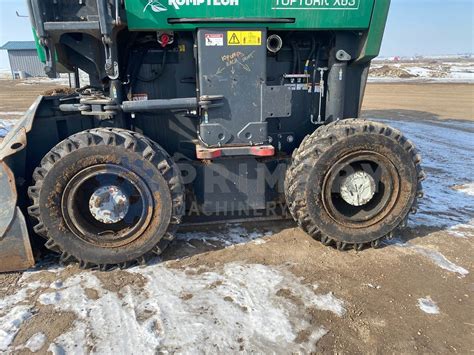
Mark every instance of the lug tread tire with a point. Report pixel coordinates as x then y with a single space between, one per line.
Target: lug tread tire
306 157
128 140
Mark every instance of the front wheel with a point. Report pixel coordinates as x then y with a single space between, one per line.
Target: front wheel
353 182
107 197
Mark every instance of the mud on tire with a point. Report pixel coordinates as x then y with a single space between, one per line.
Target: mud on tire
313 183
76 167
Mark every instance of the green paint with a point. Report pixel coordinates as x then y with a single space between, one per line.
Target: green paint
373 38
368 16
39 48
308 14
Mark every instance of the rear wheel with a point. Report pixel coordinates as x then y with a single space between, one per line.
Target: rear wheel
107 197
353 182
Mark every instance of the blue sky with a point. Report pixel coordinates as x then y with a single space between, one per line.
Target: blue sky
426 27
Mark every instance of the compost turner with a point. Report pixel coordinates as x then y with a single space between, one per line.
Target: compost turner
201 111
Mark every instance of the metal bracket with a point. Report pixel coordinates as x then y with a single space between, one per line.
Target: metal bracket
36 13
214 134
254 132
110 47
276 101
213 153
343 56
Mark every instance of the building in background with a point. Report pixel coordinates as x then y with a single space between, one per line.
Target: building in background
24 61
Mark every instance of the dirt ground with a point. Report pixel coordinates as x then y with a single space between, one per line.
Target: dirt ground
382 291
433 100
16 96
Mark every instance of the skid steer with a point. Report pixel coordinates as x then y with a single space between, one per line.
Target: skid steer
201 111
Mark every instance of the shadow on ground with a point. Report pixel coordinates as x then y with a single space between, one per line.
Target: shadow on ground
202 240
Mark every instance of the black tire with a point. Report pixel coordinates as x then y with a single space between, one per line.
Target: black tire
142 167
313 183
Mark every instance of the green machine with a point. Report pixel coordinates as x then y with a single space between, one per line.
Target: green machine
201 111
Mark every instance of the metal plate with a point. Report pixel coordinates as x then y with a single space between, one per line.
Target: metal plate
236 69
8 196
15 247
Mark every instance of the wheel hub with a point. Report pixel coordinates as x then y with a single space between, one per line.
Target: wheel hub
358 188
109 204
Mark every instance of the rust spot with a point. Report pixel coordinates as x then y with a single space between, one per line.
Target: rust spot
9 261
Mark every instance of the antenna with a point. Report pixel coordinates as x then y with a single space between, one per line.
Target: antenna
18 15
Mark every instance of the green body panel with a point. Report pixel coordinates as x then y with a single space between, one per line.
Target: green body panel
373 37
39 48
367 16
308 14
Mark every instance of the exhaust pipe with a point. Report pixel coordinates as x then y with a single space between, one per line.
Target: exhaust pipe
274 43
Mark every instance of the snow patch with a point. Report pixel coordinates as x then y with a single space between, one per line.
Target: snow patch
250 308
462 230
19 296
329 303
10 324
227 237
427 305
422 71
109 319
12 113
435 256
438 143
466 188
13 311
6 126
419 71
440 260
50 298
74 342
210 312
36 342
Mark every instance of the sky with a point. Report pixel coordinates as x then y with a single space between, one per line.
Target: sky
423 27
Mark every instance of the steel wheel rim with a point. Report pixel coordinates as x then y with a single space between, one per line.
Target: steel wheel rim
82 223
383 201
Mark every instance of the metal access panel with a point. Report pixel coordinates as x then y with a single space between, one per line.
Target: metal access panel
232 63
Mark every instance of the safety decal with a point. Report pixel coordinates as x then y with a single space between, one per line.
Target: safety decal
244 38
214 39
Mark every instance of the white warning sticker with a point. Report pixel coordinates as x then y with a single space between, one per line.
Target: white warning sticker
139 97
214 39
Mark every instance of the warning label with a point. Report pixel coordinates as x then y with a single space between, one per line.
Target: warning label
140 97
214 39
244 38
